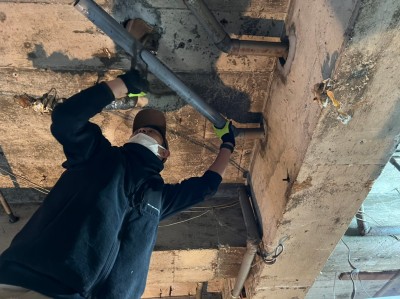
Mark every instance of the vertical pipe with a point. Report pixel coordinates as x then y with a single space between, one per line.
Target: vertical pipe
199 290
253 239
253 234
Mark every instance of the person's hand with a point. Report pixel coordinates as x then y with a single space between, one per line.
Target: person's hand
134 82
226 134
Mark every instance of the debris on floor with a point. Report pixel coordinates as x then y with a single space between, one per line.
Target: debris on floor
44 104
324 95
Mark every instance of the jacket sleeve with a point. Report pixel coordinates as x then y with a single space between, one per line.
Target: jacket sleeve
178 197
71 127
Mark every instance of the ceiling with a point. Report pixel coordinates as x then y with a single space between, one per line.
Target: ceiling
310 173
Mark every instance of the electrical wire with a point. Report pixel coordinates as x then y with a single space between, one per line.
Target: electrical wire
212 149
37 189
270 257
354 270
224 206
37 186
208 209
165 225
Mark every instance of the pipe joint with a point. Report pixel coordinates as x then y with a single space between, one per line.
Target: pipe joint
261 48
225 45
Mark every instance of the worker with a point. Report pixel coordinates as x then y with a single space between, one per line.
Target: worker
93 235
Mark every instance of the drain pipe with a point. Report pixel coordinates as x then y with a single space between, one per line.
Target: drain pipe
233 46
253 240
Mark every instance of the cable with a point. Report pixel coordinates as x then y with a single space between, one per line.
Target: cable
208 147
270 257
38 187
354 270
225 206
185 220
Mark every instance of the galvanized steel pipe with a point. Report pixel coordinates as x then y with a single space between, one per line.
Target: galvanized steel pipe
253 239
121 37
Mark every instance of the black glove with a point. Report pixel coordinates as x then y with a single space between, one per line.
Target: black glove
227 133
134 82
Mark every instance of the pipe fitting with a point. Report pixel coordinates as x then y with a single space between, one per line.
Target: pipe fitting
262 48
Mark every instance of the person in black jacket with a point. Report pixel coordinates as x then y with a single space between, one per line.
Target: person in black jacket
94 233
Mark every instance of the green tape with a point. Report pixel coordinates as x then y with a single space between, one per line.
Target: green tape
132 95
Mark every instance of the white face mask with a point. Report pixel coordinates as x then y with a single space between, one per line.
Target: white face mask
148 142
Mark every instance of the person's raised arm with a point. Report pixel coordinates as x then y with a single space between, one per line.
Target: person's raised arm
178 197
226 149
70 120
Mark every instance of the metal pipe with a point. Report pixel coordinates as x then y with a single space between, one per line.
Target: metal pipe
172 81
121 37
233 46
199 290
250 133
362 225
253 240
252 47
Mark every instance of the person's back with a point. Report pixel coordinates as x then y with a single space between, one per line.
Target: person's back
94 233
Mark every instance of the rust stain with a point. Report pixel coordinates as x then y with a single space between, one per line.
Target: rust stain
303 185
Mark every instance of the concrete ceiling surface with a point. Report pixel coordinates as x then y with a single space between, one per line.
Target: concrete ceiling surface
309 176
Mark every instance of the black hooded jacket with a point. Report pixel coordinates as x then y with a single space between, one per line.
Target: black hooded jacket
94 233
